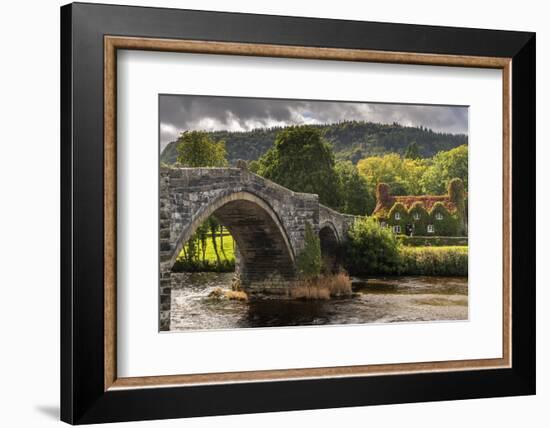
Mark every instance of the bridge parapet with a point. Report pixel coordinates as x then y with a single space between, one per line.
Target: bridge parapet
340 223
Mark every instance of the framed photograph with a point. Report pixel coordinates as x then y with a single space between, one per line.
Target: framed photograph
266 213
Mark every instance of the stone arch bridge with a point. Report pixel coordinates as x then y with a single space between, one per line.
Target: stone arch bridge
266 220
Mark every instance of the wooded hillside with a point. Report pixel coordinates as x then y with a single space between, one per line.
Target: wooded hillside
350 140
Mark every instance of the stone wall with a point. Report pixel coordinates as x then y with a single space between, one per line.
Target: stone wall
340 222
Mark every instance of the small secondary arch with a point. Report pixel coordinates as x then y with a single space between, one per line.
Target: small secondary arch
330 246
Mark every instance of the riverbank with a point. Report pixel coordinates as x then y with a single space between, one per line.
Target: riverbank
374 300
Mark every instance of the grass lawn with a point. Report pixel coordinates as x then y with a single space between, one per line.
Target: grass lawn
210 254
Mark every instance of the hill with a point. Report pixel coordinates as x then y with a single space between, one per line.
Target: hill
351 140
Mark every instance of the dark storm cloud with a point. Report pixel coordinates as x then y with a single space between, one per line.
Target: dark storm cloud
191 112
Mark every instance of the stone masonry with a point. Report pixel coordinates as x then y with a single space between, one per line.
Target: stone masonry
267 221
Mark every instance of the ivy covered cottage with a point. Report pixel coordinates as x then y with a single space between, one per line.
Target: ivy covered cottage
424 215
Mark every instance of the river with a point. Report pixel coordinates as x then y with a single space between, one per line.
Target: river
375 300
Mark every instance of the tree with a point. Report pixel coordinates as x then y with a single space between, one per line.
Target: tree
412 151
355 195
302 161
197 149
202 235
458 197
309 261
403 175
444 167
214 225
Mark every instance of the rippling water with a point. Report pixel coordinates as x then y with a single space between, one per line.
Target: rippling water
375 299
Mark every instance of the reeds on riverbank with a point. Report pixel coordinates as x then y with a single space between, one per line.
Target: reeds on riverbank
323 287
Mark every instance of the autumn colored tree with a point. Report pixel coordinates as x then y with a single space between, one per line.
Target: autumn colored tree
403 175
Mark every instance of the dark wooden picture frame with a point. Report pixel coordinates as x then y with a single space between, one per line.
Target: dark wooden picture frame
90 389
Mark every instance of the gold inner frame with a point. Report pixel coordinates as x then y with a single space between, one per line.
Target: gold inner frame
113 43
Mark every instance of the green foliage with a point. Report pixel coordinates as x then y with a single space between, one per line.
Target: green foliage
412 151
371 249
197 148
207 252
184 265
439 261
457 195
309 261
356 198
301 160
420 218
399 216
455 190
433 241
352 140
444 167
402 175
445 223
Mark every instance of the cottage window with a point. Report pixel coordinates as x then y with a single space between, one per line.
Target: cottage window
438 216
416 216
430 228
397 229
398 216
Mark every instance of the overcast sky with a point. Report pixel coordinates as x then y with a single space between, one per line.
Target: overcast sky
192 112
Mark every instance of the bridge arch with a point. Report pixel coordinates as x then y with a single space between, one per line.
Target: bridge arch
264 247
330 246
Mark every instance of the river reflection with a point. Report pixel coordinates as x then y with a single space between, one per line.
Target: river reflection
375 299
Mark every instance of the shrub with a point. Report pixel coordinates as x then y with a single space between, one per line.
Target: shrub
338 284
323 287
371 248
444 261
309 260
